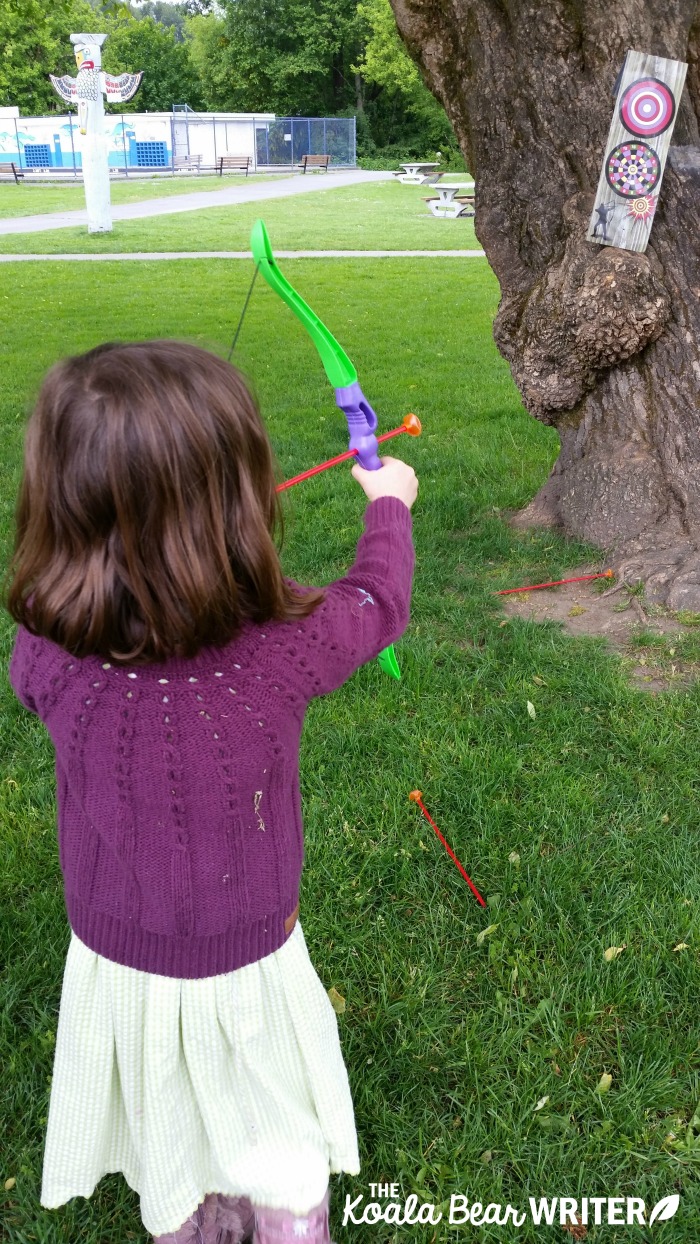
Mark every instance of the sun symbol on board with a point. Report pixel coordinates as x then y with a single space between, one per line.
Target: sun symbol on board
643 207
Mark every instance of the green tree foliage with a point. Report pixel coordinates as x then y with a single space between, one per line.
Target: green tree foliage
34 38
401 111
209 53
169 77
292 57
169 15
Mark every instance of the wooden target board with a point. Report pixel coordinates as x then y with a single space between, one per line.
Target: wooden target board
646 102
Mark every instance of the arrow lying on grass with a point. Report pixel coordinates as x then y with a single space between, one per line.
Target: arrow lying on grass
607 574
416 796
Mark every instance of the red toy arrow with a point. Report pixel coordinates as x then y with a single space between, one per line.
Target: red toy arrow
411 424
607 574
416 796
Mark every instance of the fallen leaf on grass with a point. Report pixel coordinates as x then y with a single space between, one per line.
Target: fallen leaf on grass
10 1183
531 709
603 1085
480 937
553 1123
613 951
539 681
576 1230
486 1156
681 946
541 1103
514 858
337 1001
503 623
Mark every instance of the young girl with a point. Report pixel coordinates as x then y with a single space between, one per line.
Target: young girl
197 1051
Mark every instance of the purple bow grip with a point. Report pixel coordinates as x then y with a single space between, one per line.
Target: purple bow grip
362 423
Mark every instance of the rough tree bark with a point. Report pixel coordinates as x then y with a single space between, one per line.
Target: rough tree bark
603 343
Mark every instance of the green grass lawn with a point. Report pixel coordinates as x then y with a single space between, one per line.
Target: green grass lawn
371 216
35 198
579 825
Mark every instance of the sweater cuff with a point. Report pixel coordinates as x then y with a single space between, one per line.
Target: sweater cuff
388 510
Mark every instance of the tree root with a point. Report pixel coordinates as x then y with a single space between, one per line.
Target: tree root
668 568
671 577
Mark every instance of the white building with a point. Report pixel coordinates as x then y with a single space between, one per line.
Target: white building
148 140
152 140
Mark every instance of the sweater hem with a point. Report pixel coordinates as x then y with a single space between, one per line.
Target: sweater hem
187 958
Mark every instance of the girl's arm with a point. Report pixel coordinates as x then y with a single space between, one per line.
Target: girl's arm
363 612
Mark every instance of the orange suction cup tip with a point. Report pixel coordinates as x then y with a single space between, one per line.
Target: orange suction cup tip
415 795
412 425
608 574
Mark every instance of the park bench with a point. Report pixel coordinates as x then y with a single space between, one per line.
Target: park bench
241 163
417 172
451 200
468 201
315 161
11 170
188 161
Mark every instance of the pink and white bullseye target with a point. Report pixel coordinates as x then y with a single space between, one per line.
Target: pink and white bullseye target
647 107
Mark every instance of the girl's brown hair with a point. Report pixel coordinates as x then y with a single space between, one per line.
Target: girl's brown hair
147 511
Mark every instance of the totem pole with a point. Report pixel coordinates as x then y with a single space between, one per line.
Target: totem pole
88 89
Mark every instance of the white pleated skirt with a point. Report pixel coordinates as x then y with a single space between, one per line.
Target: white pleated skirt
233 1084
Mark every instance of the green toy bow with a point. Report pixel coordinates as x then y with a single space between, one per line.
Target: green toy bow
362 421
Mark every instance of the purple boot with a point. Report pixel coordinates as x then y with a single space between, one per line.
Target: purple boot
278 1226
235 1220
218 1220
189 1233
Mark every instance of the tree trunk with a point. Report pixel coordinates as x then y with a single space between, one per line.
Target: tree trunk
359 93
603 343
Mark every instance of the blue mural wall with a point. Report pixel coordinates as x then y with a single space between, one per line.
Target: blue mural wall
55 142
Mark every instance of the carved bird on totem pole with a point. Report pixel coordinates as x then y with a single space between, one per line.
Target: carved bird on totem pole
86 88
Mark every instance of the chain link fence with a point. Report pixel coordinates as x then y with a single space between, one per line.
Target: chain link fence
286 139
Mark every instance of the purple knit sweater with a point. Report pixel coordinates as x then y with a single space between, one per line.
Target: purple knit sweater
179 814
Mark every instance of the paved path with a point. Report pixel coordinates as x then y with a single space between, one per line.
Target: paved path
249 192
246 255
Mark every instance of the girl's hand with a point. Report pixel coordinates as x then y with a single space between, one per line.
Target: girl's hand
396 479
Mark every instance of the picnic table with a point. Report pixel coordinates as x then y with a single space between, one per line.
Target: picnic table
418 172
448 203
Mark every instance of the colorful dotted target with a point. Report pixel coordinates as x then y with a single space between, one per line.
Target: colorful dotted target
632 169
647 107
